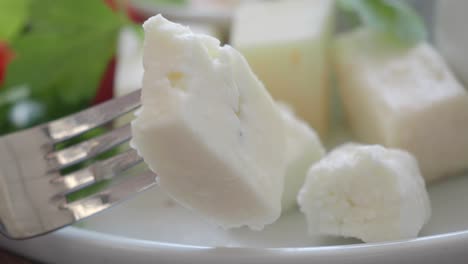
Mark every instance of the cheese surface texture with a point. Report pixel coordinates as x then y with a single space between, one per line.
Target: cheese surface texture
367 192
209 128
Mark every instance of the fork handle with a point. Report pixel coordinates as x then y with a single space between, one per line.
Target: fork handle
26 207
15 213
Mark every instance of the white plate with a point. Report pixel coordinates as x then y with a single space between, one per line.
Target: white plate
170 234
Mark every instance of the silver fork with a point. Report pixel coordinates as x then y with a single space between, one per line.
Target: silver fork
32 189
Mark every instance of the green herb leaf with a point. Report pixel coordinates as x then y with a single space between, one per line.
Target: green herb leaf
13 15
390 18
65 51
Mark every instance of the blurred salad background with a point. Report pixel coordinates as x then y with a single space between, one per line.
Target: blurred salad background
58 57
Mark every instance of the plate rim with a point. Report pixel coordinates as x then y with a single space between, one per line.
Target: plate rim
97 244
397 243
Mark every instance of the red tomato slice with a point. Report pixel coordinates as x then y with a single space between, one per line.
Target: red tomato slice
135 16
106 86
112 4
5 57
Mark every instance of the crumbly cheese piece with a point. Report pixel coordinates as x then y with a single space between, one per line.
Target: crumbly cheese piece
286 44
404 98
367 192
209 128
303 148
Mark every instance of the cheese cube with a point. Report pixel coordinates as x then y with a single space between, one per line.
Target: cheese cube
285 43
404 98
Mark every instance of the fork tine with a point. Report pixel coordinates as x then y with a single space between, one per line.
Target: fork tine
111 195
88 149
67 127
101 170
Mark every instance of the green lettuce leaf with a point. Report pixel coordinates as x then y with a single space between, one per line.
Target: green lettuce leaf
64 53
393 19
13 16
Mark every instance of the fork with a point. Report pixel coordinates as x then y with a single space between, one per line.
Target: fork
32 188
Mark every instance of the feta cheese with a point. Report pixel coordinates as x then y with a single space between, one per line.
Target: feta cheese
286 44
303 148
209 128
367 192
404 98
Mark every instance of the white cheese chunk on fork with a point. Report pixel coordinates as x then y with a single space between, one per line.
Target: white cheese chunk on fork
209 128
